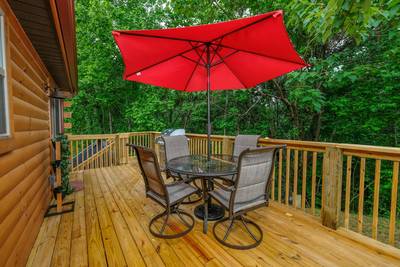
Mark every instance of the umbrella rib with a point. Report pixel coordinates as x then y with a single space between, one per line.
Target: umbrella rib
262 55
223 58
185 57
232 71
160 37
244 26
162 61
195 67
215 50
197 52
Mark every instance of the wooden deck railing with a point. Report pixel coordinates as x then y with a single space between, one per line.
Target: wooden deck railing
105 150
329 180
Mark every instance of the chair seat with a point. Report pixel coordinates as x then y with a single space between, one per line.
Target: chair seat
223 197
176 192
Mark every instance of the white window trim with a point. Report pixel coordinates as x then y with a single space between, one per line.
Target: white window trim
6 96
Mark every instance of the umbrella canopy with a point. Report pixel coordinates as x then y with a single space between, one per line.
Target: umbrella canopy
228 55
242 53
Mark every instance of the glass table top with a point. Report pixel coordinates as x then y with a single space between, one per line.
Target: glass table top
218 165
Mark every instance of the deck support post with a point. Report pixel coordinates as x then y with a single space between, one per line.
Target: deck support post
333 187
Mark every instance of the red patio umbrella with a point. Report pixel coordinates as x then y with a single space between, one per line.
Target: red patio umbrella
228 55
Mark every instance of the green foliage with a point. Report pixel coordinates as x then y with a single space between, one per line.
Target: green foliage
64 164
349 94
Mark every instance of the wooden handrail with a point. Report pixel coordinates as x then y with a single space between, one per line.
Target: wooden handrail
348 149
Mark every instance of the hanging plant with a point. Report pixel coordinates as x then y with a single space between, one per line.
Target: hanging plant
64 164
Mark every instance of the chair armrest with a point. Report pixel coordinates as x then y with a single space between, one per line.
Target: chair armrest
223 187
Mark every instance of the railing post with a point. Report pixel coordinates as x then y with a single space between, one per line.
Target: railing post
152 142
124 149
227 146
333 160
117 150
155 146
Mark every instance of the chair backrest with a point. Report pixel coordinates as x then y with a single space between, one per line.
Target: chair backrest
175 146
148 164
254 176
243 142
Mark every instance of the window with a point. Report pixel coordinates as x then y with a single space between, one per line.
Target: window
4 109
57 118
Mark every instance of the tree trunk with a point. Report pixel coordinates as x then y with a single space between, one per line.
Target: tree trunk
110 121
317 126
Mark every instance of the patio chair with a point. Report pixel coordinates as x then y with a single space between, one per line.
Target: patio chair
174 147
170 196
249 192
243 142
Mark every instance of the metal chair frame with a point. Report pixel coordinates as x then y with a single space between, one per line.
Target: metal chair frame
178 177
170 208
239 216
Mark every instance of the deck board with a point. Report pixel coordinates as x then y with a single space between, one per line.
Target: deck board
79 255
110 227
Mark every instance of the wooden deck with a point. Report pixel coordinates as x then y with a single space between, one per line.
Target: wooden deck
110 227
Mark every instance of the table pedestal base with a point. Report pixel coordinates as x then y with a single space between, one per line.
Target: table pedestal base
215 212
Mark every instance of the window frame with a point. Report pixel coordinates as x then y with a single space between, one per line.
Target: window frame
7 141
57 116
3 74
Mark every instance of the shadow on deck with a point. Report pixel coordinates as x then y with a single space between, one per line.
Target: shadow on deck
110 227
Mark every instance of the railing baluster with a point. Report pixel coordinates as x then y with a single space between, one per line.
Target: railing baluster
108 153
87 154
98 153
323 181
375 213
101 160
273 183
361 197
71 155
287 178
123 149
304 181
77 155
82 163
313 180
280 176
348 187
112 154
393 204
295 177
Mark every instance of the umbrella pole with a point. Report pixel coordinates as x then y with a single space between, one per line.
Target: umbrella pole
208 105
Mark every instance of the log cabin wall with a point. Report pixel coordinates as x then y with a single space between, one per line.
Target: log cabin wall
24 170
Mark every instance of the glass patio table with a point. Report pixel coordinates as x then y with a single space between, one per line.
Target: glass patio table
199 167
